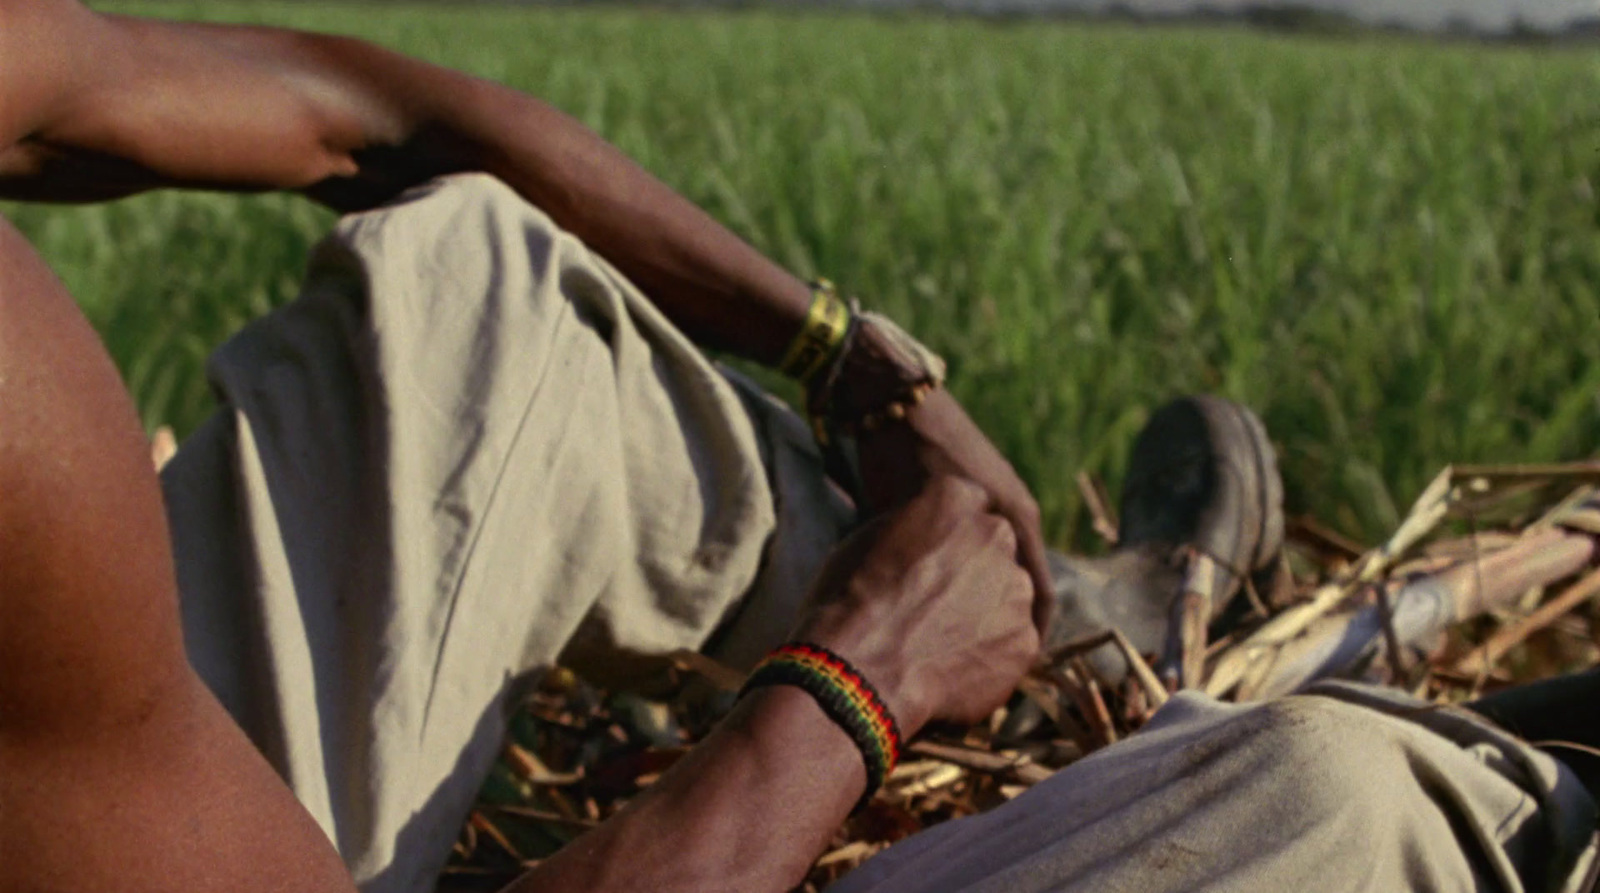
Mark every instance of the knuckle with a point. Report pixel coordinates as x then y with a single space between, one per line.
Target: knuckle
988 528
941 487
957 492
1021 585
1032 645
1019 590
1002 534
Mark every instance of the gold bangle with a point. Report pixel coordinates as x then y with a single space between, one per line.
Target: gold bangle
820 337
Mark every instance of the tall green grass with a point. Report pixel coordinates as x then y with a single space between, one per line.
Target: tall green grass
1390 249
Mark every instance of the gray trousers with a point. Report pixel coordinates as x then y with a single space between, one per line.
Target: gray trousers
471 448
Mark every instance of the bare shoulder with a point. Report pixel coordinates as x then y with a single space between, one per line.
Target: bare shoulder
103 726
82 532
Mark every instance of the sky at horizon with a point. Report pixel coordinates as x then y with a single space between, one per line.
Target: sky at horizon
1489 15
1497 14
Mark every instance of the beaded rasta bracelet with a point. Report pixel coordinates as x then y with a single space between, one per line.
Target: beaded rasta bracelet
845 695
821 336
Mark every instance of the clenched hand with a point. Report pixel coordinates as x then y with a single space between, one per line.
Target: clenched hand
928 601
939 438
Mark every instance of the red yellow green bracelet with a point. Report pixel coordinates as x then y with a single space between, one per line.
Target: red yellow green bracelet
845 695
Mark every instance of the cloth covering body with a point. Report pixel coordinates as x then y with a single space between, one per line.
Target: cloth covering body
471 449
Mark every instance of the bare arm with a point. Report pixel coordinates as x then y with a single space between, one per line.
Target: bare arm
100 106
748 810
118 771
930 606
96 106
134 104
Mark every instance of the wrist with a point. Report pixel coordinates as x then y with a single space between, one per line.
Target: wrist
870 645
845 695
823 334
882 375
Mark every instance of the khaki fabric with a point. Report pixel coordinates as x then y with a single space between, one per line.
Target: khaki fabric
469 448
1349 788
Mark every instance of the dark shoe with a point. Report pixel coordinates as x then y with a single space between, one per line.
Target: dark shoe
1202 481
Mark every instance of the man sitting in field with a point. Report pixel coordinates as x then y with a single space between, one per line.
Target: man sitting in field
473 447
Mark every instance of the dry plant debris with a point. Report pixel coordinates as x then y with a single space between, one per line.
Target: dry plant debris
1415 606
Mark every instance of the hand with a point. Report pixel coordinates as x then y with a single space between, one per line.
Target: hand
939 439
929 603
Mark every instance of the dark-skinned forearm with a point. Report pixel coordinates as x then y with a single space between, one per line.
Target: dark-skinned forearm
353 124
714 286
748 810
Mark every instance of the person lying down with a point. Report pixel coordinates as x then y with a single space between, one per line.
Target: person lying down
484 439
